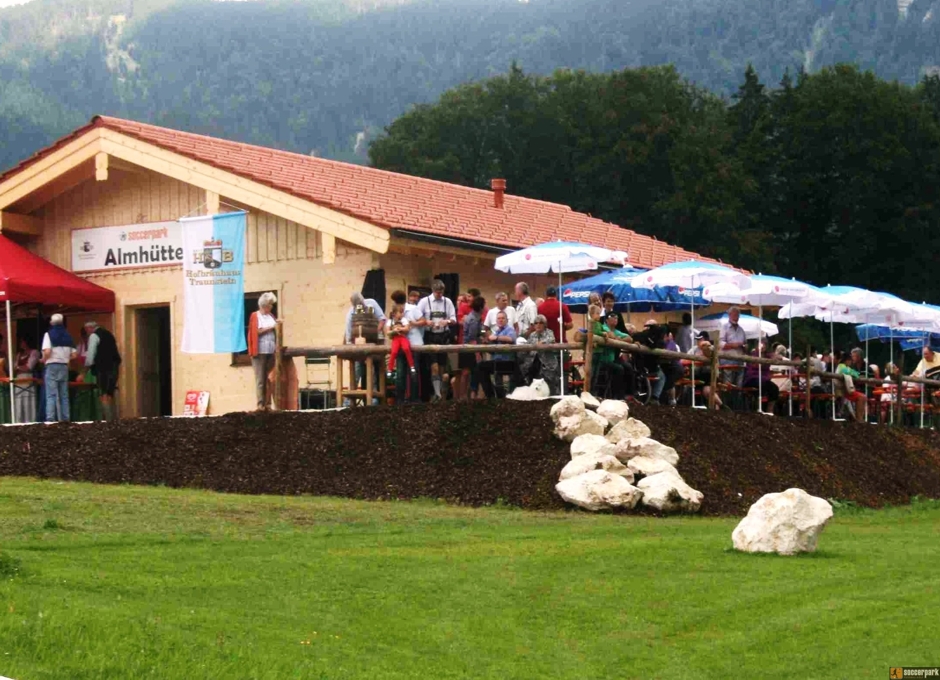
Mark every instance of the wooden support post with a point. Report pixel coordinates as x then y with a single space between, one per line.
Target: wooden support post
383 386
370 381
339 381
808 408
713 381
897 401
101 166
278 349
212 203
329 248
588 358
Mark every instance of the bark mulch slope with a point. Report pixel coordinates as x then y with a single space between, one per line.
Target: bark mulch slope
476 453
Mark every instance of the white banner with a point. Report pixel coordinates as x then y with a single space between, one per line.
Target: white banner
156 244
214 283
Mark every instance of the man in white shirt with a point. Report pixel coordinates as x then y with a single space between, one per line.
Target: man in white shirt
502 305
526 310
440 321
733 340
58 348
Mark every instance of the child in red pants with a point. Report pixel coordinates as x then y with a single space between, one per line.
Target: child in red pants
398 332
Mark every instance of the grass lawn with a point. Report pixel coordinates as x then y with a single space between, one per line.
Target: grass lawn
129 582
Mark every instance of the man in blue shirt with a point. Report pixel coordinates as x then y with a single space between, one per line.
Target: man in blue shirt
502 364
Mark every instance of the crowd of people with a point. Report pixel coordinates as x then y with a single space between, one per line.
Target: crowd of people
42 376
415 320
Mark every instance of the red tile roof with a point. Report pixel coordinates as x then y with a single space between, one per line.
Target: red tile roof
393 200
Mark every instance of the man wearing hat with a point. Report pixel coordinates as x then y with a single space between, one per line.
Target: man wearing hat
103 360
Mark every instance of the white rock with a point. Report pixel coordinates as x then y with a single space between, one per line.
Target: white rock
589 400
586 444
641 465
667 492
597 461
586 422
615 411
599 490
784 523
631 428
566 407
537 391
646 447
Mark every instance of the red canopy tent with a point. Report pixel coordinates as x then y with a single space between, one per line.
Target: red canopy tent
26 278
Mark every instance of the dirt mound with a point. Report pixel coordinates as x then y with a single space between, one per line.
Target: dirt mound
474 453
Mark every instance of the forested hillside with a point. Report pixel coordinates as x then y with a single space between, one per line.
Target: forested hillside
325 76
832 177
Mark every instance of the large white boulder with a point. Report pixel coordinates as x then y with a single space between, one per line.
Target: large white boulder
786 523
613 410
646 447
644 467
590 400
537 391
599 490
568 428
566 407
596 461
668 492
631 428
586 444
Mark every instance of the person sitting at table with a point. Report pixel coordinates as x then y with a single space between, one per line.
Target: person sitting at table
758 377
542 365
852 399
27 358
502 364
606 357
703 371
608 300
928 367
673 371
653 336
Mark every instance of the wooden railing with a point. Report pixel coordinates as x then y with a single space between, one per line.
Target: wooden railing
353 353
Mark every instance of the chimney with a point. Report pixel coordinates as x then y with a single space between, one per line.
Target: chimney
499 188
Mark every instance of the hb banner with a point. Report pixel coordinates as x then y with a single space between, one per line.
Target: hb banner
214 283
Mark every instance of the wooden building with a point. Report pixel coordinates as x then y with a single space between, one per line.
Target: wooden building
315 229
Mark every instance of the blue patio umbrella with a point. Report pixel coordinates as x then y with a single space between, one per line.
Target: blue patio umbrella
626 297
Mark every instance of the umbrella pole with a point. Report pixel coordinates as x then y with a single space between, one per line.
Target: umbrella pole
9 365
897 394
790 357
867 334
923 390
561 333
760 352
832 360
692 310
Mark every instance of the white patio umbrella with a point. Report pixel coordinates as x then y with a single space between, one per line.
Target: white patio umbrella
559 257
754 328
690 274
772 291
842 303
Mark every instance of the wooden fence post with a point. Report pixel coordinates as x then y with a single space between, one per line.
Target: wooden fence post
713 381
897 400
278 349
588 358
808 408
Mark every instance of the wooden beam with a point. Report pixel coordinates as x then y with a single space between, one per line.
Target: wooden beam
53 166
20 224
101 166
245 191
329 248
121 166
212 203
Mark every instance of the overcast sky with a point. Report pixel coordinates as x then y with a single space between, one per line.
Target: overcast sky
7 3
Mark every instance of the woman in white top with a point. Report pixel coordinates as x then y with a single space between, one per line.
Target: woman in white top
25 393
262 343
